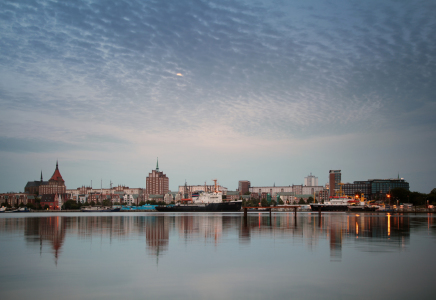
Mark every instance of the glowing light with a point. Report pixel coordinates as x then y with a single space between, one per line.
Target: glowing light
179 74
389 225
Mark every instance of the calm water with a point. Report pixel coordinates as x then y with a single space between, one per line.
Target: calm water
217 256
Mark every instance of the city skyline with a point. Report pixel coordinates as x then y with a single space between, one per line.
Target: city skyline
265 92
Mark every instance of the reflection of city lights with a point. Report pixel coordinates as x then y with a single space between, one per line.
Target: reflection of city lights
389 224
357 228
357 215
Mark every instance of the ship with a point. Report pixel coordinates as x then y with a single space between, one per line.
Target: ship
340 202
336 203
362 208
203 201
362 205
99 209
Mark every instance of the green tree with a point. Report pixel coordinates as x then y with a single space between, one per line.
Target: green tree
281 202
71 204
46 207
264 203
30 206
400 194
310 200
301 201
107 202
418 198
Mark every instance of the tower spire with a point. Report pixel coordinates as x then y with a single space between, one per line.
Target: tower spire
56 164
157 164
41 175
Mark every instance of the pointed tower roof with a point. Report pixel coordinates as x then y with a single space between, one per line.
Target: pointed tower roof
57 175
41 176
157 164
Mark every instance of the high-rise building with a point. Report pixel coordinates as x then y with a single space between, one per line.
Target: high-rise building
310 180
56 184
334 181
244 186
157 182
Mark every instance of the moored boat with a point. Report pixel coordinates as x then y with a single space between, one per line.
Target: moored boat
340 202
21 209
361 205
202 207
336 203
99 209
362 208
203 202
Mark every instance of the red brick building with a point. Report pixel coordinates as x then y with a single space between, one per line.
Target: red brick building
16 199
56 184
334 181
53 201
157 183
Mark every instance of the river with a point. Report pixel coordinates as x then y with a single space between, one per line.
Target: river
217 256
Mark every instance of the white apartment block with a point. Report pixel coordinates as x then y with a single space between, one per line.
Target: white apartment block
310 180
296 189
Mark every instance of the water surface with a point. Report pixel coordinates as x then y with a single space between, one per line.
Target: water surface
217 256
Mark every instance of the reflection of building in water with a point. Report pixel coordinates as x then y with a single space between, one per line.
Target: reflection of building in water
157 234
307 228
51 229
201 227
212 228
335 241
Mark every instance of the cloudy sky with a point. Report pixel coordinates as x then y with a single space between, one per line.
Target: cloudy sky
266 91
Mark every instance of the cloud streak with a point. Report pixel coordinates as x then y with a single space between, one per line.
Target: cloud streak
259 71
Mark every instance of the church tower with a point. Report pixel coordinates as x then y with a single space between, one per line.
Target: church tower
56 184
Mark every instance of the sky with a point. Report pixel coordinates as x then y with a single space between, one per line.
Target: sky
266 91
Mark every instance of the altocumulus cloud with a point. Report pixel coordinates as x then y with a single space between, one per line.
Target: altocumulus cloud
276 71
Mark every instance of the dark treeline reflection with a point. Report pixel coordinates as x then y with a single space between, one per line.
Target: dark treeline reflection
392 231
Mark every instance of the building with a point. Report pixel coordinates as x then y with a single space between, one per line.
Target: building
56 184
362 187
32 187
189 189
232 195
310 180
383 186
261 191
286 197
374 188
244 187
53 201
334 181
16 199
157 183
111 192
